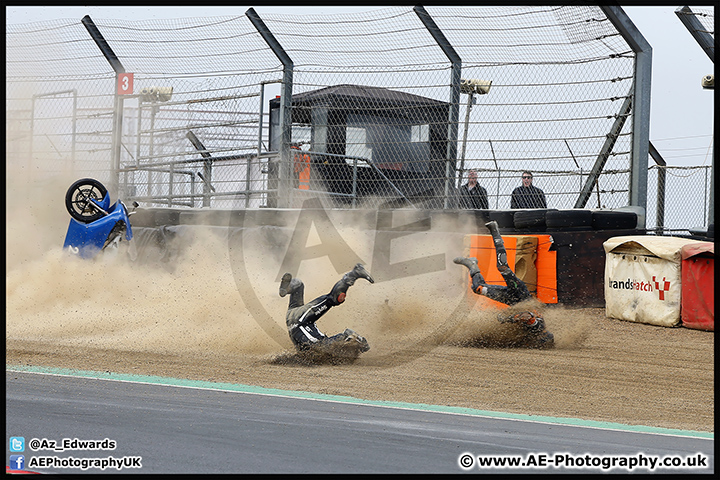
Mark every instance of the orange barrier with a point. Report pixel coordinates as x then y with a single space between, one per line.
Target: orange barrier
546 265
529 256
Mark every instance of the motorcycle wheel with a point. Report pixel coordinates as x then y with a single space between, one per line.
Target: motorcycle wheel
77 200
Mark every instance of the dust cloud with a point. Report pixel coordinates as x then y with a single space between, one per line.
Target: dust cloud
482 329
112 302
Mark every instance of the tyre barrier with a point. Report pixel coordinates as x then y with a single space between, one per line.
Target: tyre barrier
556 220
697 273
523 221
652 279
613 220
504 218
531 219
569 220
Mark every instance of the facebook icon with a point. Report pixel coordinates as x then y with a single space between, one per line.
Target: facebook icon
17 462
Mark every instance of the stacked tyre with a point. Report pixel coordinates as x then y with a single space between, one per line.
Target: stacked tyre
614 220
555 220
504 218
535 219
569 220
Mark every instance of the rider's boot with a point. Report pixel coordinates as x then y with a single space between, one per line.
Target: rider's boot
478 282
288 285
470 262
359 272
502 264
348 280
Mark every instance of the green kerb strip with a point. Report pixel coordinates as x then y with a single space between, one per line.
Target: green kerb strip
250 389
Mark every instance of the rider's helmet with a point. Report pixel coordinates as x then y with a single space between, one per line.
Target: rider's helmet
534 324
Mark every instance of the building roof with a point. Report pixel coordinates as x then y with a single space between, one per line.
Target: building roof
364 94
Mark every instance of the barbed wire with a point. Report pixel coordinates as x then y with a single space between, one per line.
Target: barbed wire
559 76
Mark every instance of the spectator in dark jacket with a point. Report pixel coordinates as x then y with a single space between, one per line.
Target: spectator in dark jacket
473 195
527 195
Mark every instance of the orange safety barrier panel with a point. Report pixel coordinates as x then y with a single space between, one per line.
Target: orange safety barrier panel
540 278
546 265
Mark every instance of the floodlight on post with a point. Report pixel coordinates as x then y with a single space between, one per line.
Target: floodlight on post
156 94
708 82
470 87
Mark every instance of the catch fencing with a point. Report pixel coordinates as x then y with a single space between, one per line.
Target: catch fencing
387 108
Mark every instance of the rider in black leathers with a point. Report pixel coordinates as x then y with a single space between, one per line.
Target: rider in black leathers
514 292
301 316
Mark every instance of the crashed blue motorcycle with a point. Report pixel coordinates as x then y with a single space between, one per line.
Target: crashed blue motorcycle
96 225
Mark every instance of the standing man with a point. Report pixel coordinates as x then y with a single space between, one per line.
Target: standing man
473 195
527 195
302 167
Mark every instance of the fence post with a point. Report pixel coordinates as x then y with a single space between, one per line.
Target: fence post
207 167
284 186
640 104
707 43
114 62
454 114
711 207
700 34
660 206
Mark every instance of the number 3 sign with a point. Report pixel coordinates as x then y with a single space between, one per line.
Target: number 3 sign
125 84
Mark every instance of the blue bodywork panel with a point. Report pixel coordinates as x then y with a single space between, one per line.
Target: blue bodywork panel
88 239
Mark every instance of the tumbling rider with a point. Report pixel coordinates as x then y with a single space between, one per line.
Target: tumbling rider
514 292
301 316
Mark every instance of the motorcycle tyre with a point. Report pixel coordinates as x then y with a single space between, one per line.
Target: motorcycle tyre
96 189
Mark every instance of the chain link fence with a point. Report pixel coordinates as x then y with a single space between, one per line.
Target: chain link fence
701 24
389 108
678 198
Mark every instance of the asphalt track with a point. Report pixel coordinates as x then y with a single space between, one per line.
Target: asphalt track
178 426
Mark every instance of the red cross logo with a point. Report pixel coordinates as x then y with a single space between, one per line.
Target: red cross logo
661 290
